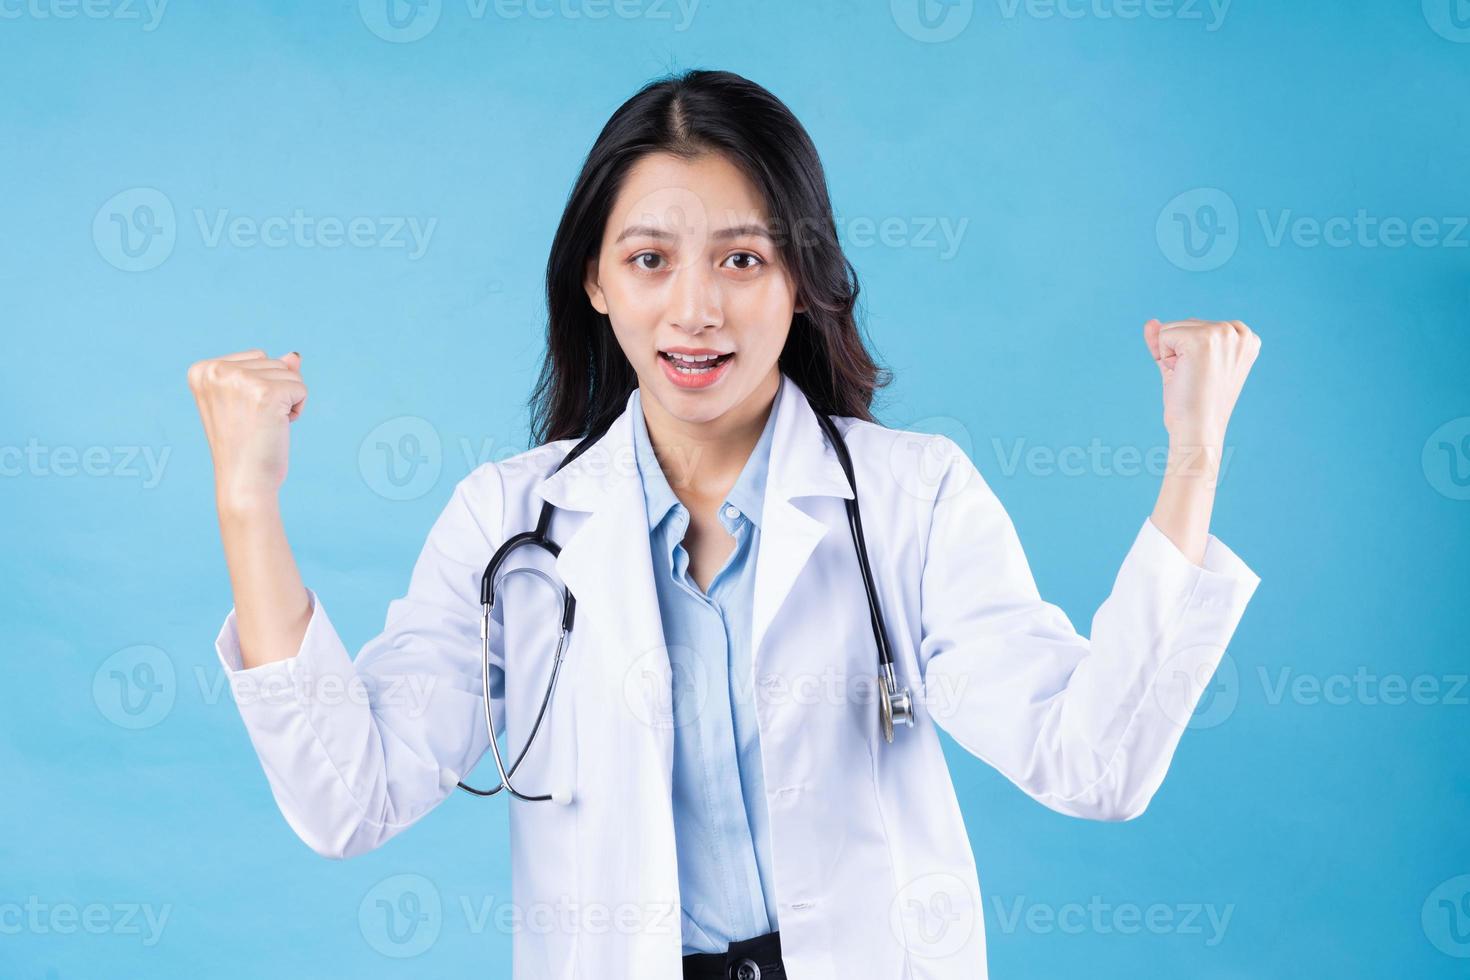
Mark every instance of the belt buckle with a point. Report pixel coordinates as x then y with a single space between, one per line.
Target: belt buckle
746 969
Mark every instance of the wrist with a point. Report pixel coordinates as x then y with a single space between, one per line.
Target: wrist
245 502
1199 460
1196 436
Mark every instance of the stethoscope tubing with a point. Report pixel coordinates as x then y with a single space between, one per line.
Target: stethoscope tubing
895 705
505 783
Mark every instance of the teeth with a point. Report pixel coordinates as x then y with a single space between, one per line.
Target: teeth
692 363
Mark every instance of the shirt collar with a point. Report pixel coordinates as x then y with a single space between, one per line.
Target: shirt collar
747 494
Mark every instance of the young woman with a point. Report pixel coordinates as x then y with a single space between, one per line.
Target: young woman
728 780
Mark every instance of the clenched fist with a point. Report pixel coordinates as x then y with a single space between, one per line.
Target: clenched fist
247 402
1204 364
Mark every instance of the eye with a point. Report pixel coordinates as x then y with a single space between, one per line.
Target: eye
754 261
637 260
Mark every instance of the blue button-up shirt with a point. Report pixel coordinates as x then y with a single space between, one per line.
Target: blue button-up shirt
721 828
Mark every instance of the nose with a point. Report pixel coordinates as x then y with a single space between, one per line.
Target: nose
695 301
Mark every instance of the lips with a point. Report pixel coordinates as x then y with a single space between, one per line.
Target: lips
698 369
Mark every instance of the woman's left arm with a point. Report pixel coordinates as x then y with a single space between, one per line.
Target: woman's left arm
1088 725
1203 365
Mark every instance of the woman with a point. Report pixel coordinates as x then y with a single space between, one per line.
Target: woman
721 800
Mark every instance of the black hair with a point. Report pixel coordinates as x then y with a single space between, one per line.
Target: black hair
585 379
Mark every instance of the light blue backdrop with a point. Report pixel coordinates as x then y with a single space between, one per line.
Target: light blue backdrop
1021 185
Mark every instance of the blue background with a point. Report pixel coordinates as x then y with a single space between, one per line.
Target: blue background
1329 828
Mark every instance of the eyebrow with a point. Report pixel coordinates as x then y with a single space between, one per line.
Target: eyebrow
734 231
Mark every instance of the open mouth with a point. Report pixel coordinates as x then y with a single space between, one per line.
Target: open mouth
695 364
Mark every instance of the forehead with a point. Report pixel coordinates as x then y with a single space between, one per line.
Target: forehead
706 192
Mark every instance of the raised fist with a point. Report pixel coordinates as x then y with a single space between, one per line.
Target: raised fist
247 402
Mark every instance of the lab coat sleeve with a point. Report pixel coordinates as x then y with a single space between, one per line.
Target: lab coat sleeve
356 751
1086 726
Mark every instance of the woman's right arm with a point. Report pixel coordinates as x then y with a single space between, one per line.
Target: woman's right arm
247 402
355 750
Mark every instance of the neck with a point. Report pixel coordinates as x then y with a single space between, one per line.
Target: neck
703 459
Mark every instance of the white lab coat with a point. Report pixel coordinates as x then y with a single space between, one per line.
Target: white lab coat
874 876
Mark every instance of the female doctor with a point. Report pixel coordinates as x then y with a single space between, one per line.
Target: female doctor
721 794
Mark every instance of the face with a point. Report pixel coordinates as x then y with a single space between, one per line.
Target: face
697 294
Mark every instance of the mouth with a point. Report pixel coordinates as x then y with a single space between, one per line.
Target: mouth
694 369
693 366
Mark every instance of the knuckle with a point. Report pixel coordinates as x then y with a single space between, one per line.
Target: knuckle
210 372
237 380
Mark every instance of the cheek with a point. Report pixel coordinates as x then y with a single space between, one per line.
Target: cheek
783 298
637 298
778 308
634 312
769 301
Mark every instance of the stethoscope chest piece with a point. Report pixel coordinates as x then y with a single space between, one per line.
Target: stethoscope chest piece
895 707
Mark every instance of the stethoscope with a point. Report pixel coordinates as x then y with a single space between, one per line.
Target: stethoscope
895 706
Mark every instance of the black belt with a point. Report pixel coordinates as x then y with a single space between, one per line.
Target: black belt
748 959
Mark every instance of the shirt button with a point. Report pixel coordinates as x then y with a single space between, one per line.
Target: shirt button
731 512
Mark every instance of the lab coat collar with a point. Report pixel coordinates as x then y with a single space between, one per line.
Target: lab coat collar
607 563
802 464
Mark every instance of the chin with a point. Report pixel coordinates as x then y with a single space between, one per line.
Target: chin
694 411
691 407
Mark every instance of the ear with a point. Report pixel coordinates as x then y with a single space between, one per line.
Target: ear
594 289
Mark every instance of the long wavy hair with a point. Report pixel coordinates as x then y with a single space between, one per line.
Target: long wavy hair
585 378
